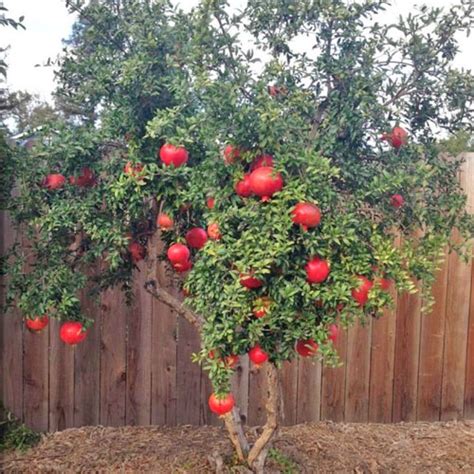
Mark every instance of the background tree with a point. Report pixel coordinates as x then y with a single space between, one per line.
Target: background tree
278 178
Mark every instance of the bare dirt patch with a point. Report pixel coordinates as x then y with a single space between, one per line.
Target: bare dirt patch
309 448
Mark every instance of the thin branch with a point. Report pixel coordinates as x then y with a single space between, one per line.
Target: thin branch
174 303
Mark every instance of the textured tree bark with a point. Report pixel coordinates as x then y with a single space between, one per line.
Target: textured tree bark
234 426
258 453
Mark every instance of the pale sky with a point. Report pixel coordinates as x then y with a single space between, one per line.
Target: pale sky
48 22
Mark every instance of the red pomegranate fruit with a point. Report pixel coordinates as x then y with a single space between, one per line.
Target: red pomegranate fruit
257 355
361 293
210 202
221 405
164 221
260 161
85 180
249 281
178 254
37 324
231 154
397 200
265 182
242 187
307 348
231 361
183 267
306 215
398 137
261 306
333 332
196 237
173 155
72 332
317 270
137 251
133 169
54 181
213 231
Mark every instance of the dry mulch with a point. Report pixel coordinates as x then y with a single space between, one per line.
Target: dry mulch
309 448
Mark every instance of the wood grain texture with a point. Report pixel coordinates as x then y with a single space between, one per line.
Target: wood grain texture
407 345
469 388
61 381
257 399
289 385
113 363
431 352
309 390
358 373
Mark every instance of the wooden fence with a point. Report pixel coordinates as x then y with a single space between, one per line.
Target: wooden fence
135 366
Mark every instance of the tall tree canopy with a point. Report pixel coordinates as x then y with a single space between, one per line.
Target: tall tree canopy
284 173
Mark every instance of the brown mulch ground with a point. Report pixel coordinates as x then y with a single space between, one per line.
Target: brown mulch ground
309 448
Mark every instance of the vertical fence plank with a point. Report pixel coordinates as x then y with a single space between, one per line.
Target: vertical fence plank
431 352
358 372
113 369
407 344
87 367
334 384
257 391
289 382
240 386
457 316
188 375
35 373
138 406
381 367
309 390
12 339
164 355
61 381
469 390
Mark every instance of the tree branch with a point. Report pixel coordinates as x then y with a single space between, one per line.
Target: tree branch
174 303
234 426
258 453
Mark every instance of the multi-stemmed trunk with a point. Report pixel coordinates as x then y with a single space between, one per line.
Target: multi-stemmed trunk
252 455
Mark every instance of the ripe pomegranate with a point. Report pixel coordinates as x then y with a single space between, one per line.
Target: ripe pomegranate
72 332
397 137
231 154
221 405
242 187
231 361
250 281
261 161
213 231
361 293
261 306
265 182
384 283
397 200
85 180
275 91
257 355
306 215
54 181
183 267
133 169
164 221
137 251
317 270
210 202
333 332
307 348
172 155
178 254
37 324
196 237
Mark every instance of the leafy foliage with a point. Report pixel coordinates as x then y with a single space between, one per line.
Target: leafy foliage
144 74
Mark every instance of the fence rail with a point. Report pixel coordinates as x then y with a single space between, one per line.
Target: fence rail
135 365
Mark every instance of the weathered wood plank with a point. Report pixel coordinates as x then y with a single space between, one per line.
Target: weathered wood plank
358 373
289 382
113 363
309 390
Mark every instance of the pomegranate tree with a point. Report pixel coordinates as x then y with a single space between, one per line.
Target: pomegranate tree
277 202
